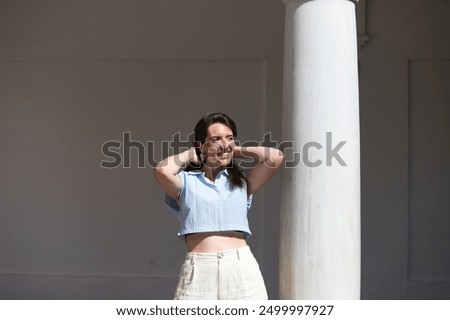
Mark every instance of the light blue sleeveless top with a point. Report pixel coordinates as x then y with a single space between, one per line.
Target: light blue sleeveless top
206 206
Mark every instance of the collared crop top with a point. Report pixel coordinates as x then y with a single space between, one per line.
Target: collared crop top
206 206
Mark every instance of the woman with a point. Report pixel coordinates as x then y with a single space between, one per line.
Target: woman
211 199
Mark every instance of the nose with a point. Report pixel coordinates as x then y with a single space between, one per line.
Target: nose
223 144
226 144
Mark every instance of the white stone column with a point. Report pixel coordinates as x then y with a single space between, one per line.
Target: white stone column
320 204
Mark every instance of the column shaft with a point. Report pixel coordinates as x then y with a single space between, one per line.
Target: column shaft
320 204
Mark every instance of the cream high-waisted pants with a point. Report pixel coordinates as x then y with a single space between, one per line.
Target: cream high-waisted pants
228 275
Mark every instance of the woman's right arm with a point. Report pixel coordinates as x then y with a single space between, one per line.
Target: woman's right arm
166 171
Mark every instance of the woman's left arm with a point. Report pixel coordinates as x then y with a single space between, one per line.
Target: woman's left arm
268 161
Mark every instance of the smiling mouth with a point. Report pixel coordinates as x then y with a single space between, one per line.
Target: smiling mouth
223 155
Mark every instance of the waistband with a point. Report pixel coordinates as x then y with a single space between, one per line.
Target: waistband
232 254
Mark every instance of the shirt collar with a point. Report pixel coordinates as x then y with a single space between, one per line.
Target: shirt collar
197 172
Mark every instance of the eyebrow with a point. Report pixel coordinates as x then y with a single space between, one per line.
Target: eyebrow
229 135
218 137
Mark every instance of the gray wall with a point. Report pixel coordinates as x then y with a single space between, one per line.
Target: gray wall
75 74
404 104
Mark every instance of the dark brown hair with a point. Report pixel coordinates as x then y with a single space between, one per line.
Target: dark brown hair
235 175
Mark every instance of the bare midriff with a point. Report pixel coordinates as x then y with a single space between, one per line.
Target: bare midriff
211 242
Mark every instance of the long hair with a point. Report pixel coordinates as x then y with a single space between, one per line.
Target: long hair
235 175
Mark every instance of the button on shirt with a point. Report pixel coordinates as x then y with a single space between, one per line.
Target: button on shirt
206 206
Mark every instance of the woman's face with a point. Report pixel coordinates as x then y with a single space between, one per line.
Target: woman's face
218 146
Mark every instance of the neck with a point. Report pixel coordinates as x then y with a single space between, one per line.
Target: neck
211 172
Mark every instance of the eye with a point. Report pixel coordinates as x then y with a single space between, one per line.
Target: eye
230 138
